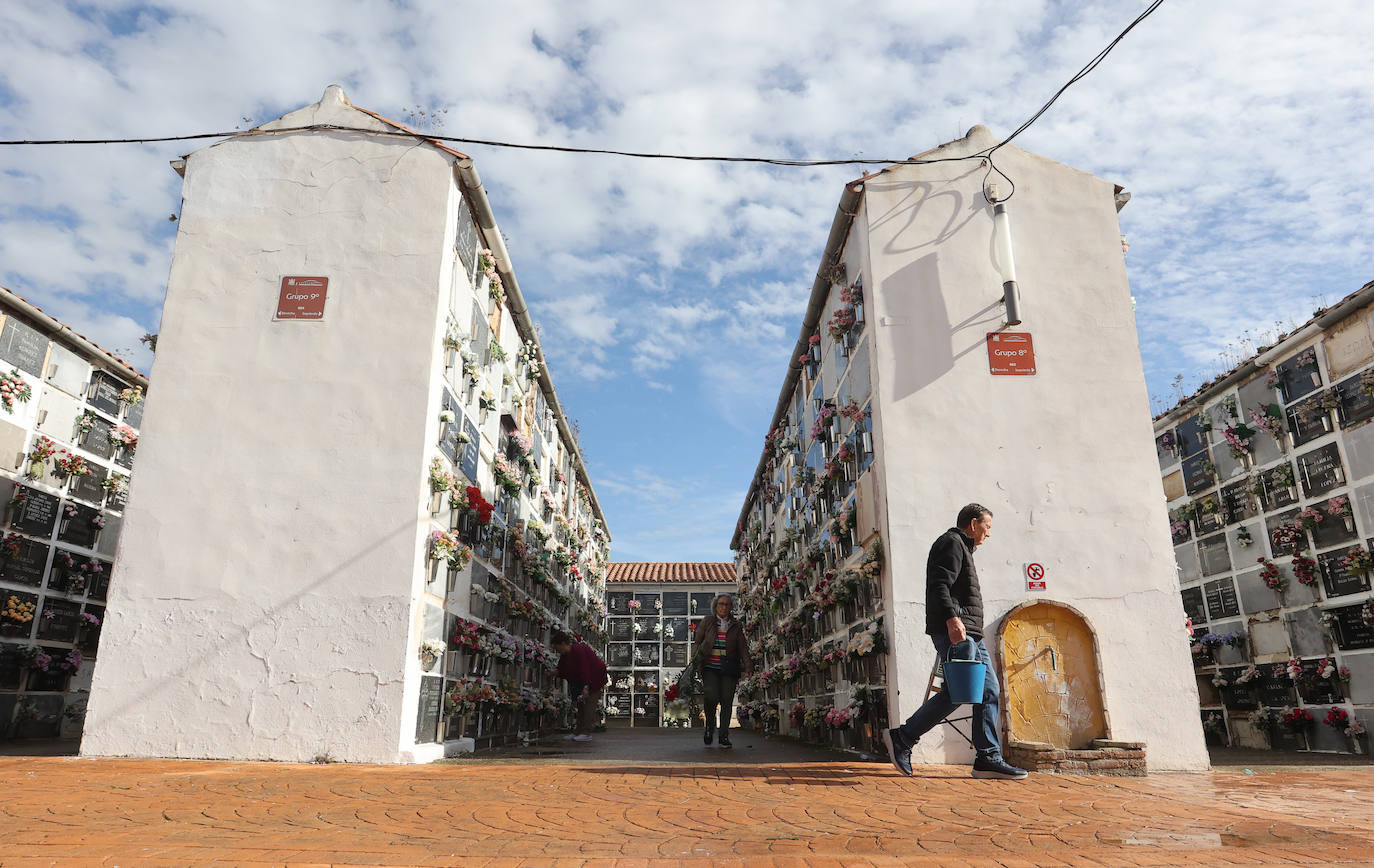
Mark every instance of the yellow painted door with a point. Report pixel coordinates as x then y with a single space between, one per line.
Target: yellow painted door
1053 692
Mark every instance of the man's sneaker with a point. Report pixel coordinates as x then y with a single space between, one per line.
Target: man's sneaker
898 752
585 737
709 734
725 739
998 768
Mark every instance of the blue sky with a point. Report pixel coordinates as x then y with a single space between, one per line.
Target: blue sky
671 293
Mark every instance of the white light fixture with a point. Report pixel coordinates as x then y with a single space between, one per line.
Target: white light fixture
1001 233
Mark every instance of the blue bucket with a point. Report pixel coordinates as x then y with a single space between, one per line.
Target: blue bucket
964 678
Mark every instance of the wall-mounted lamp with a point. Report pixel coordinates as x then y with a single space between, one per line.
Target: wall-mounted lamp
1001 233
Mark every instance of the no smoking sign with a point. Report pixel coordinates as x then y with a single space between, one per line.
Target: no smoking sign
1035 577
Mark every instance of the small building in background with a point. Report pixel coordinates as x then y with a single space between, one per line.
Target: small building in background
70 415
1268 471
652 607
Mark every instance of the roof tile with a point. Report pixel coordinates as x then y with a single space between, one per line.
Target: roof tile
626 572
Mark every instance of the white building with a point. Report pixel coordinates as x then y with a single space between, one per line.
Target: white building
69 420
1269 475
336 345
893 415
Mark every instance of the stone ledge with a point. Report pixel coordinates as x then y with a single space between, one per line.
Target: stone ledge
1122 758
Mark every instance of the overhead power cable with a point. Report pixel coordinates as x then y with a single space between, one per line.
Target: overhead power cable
568 149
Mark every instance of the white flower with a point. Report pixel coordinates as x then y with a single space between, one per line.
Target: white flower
432 646
446 416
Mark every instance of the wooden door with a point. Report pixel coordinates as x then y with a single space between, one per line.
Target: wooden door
1053 693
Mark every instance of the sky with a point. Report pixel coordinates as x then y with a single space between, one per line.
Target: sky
671 294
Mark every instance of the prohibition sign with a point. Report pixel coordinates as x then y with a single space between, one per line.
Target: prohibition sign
1035 577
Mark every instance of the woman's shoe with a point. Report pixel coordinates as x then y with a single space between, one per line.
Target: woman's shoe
710 734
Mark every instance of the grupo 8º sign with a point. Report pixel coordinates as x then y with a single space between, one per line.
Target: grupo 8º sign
1011 353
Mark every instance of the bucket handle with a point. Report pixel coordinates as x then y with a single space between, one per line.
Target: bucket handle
972 650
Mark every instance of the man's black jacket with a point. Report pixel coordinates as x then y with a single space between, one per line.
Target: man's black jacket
952 585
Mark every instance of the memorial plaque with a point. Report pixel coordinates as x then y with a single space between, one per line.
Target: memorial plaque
646 653
116 500
465 241
700 604
448 431
1238 696
1182 530
12 629
619 654
133 416
1279 492
1273 522
37 515
1214 556
1275 687
1320 470
1193 606
468 457
1314 689
90 487
42 715
97 439
28 568
1208 521
675 653
1281 738
100 582
1352 631
1336 578
11 671
1221 599
1296 380
431 707
617 602
1308 421
1356 406
675 629
88 635
1192 437
59 620
23 346
1238 502
104 394
1195 477
77 528
1165 456
646 603
125 457
618 706
620 629
54 679
675 602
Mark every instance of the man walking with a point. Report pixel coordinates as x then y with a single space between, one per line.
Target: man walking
586 676
954 614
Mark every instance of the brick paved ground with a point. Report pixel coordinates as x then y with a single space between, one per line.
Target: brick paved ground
725 809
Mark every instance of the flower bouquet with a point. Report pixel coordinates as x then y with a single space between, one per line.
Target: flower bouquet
123 435
132 396
1337 718
14 388
1296 719
68 464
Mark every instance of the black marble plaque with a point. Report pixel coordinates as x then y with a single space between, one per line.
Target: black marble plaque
1273 522
97 439
619 654
700 604
1296 380
1275 687
620 629
59 620
125 457
468 457
1181 529
1195 477
1352 632
24 347
104 393
54 679
675 629
646 653
675 653
1193 607
133 416
115 500
1221 599
675 602
1318 690
1192 437
28 567
448 431
91 486
1338 580
99 583
1320 470
1308 421
1209 521
44 719
38 514
11 671
11 629
88 636
618 706
1356 406
77 528
1332 530
431 705
1277 492
617 602
1238 502
1238 696
465 241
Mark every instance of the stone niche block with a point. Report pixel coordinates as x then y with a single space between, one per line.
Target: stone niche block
1254 595
67 371
1173 486
58 413
1227 655
1245 735
109 535
1306 633
11 444
1362 497
1227 467
1361 686
1189 569
1269 637
1207 692
1323 737
1359 451
1252 395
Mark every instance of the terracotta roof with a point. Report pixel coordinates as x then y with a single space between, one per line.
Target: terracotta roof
717 572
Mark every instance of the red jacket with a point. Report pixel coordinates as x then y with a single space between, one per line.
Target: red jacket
581 666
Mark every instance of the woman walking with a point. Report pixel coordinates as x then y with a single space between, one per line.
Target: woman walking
723 654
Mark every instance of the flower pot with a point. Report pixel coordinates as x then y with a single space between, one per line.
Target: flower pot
428 659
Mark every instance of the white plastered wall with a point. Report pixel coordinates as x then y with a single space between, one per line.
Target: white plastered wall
270 560
1064 458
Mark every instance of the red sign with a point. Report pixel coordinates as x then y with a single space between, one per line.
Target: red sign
1011 353
302 298
1035 577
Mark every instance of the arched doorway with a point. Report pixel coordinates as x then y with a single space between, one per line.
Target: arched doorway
1053 687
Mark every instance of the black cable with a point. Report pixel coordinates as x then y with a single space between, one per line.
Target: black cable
772 161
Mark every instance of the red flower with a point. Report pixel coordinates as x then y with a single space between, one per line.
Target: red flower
477 503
